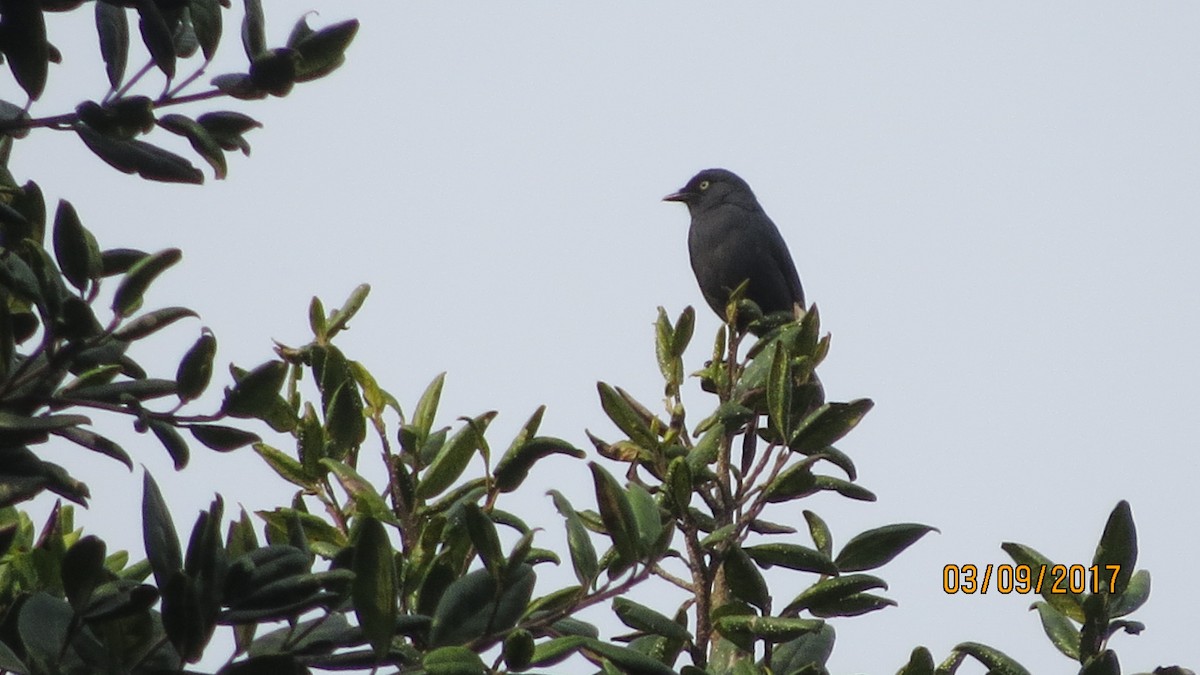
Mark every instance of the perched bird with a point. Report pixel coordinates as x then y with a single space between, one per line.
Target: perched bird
732 240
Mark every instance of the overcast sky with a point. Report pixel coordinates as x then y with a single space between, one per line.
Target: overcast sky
994 206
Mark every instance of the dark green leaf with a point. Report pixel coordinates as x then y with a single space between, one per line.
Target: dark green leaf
43 626
648 517
206 21
874 548
339 320
427 407
158 534
516 463
920 662
827 424
222 438
642 618
115 392
322 51
274 71
128 296
831 590
287 468
453 457
120 260
156 35
1134 595
96 442
255 394
195 369
226 128
769 628
374 589
484 537
202 141
25 45
83 570
254 37
583 553
453 660
1041 568
475 605
172 441
133 156
344 421
1117 547
625 416
805 654
627 660
1062 633
518 649
792 556
779 392
997 662
744 579
75 248
617 514
239 86
151 322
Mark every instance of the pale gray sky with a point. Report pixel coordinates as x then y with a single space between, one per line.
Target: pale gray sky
995 208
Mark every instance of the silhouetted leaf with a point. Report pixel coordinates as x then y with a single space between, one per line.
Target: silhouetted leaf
1118 546
195 369
827 424
617 515
24 44
920 662
206 22
202 142
744 579
255 394
583 553
112 25
516 463
222 438
75 248
94 441
322 51
151 322
128 297
133 156
453 457
156 35
158 534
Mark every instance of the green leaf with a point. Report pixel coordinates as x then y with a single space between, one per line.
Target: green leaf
769 628
484 538
997 662
75 248
322 51
831 590
287 468
920 662
1062 633
1134 595
625 416
1118 546
642 618
374 589
805 654
25 47
617 515
365 497
453 660
254 35
339 320
158 534
133 156
583 553
678 485
255 394
779 392
195 369
453 458
151 322
222 438
206 22
128 297
171 440
199 138
156 35
827 424
874 548
555 650
82 571
274 71
792 556
1041 569
516 463
648 517
627 660
43 626
745 581
476 605
96 442
427 407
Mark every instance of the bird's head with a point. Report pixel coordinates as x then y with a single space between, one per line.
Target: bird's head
712 187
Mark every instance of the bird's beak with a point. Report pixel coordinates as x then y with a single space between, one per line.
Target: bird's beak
680 196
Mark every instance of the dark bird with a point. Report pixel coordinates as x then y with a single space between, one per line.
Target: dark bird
731 240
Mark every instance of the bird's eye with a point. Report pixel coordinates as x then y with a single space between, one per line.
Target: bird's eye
704 185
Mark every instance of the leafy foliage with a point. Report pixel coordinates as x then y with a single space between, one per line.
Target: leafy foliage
426 571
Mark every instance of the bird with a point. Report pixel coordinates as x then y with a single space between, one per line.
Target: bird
731 240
